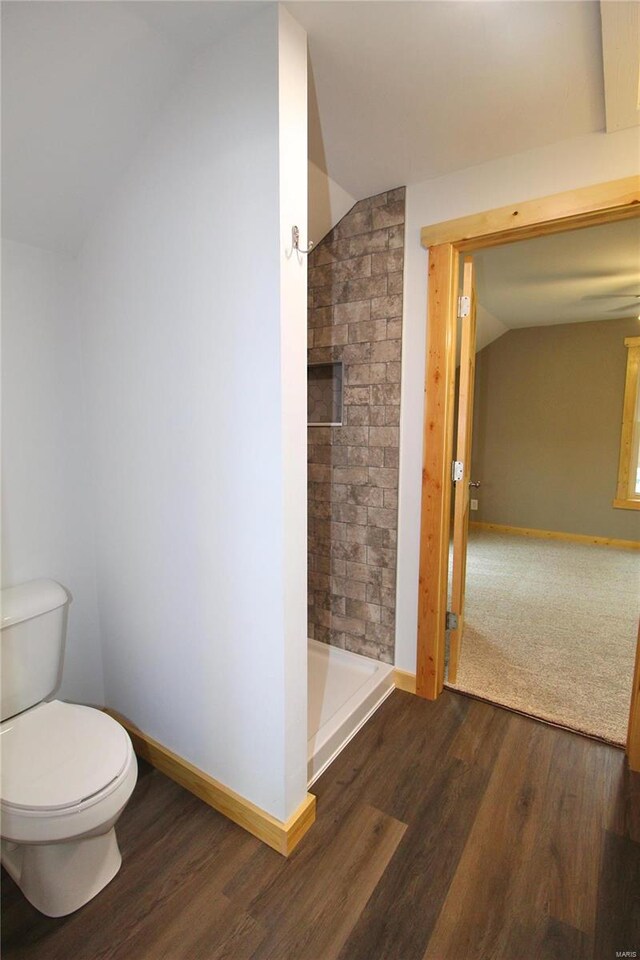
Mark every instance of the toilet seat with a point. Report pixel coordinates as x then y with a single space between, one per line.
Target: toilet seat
60 755
65 771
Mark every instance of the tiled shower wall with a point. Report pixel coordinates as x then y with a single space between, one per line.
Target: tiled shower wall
355 315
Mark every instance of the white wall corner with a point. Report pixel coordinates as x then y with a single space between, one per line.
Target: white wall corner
293 370
328 203
194 330
47 523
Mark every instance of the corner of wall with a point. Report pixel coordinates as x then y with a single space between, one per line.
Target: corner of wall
328 203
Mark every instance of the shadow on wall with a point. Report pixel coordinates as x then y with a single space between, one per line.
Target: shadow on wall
328 202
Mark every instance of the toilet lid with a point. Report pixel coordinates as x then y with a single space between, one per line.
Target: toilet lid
59 754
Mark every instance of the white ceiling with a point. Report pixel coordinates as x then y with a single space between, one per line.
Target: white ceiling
81 85
408 91
582 275
401 91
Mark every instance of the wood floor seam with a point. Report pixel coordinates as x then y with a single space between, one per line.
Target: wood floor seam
452 830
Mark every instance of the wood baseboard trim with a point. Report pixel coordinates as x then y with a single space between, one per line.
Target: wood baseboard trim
404 680
556 535
281 835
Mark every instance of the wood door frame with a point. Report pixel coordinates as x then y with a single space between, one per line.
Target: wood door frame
571 210
461 490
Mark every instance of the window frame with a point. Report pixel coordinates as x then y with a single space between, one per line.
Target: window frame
626 498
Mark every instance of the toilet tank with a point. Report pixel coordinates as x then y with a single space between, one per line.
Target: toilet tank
34 618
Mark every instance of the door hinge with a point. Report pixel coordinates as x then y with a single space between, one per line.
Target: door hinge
457 470
451 622
464 307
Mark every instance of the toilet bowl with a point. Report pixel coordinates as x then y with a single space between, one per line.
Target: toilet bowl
67 774
67 770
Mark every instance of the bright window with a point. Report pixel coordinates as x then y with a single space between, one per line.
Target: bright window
628 490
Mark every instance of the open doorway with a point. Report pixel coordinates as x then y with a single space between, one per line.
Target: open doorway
552 570
446 242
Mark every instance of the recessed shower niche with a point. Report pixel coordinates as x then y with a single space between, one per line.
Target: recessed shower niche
324 394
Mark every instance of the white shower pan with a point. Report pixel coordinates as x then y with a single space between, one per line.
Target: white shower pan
344 690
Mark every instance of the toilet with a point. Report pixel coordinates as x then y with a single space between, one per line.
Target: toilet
67 770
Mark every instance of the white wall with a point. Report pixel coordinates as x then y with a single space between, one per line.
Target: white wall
194 337
328 203
46 514
573 163
293 386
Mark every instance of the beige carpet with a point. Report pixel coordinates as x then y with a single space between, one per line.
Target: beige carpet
550 630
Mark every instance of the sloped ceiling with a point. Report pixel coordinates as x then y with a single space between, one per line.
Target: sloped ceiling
403 91
574 277
81 85
409 91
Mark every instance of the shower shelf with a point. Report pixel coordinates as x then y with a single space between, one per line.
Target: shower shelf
324 394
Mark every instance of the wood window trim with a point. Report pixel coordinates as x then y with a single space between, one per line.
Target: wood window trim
625 499
574 209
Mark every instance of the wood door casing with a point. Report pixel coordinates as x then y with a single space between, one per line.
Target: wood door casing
570 210
463 455
439 395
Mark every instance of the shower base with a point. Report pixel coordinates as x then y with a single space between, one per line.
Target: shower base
344 690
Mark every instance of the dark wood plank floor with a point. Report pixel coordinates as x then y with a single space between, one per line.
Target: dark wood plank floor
452 830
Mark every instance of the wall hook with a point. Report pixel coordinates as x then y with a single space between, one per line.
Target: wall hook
295 240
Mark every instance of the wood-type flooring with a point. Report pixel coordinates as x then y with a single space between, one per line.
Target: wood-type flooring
452 830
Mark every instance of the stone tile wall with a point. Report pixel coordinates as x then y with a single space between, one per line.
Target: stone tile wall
355 315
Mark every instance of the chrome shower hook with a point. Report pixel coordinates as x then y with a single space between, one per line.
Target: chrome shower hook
295 241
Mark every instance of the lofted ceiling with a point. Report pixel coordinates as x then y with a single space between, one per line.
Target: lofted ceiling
573 277
399 92
81 85
409 91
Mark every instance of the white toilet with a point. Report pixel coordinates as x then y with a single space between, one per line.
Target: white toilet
67 770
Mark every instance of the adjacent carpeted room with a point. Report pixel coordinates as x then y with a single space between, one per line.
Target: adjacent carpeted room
550 630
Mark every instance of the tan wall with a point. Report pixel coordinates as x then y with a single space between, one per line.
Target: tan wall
547 417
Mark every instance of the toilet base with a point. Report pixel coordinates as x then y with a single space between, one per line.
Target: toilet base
58 878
